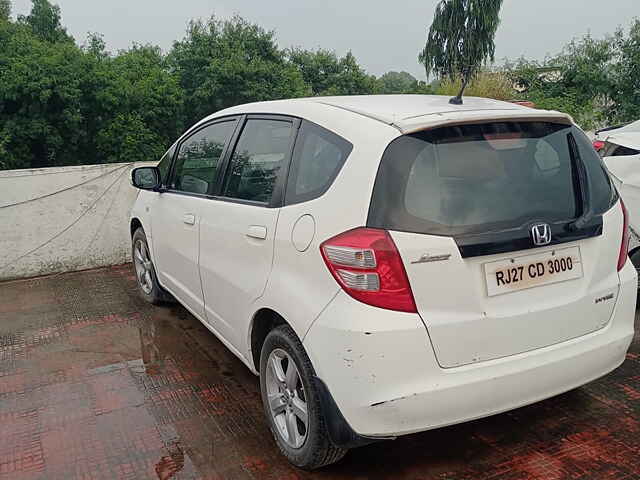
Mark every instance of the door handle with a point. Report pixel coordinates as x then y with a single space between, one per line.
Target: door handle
257 231
189 218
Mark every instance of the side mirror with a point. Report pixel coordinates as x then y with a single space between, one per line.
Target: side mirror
146 178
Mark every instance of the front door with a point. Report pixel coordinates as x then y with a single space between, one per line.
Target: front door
177 212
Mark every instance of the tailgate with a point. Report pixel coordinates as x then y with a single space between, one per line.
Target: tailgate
509 232
466 325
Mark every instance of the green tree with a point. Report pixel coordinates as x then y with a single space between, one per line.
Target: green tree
65 105
96 46
461 39
626 94
5 10
40 99
45 21
496 85
221 63
128 137
328 74
136 90
593 79
397 82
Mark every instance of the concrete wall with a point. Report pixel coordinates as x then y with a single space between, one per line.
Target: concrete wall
64 218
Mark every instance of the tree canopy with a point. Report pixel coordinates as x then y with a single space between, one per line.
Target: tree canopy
5 10
328 74
64 103
461 39
596 80
221 63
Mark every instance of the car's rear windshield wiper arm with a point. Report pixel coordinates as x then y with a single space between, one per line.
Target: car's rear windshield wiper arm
586 211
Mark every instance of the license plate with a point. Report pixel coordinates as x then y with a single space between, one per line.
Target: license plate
527 271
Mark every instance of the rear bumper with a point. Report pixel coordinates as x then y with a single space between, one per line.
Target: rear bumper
381 371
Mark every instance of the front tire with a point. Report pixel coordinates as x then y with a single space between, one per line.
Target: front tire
146 278
292 403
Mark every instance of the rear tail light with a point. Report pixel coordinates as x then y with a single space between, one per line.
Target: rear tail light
598 145
367 265
624 246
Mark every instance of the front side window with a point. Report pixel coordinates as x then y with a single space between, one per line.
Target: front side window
165 165
489 177
198 158
317 159
261 152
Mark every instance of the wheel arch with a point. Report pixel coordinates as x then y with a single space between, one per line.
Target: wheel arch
263 321
340 432
134 225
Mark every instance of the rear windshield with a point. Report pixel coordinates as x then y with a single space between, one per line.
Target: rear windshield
477 178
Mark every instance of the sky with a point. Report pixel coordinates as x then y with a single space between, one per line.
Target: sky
383 35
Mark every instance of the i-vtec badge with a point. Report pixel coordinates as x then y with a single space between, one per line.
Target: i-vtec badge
426 258
541 234
604 299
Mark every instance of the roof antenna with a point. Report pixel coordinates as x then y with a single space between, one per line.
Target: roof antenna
457 100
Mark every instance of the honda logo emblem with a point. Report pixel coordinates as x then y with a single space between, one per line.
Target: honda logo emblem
541 234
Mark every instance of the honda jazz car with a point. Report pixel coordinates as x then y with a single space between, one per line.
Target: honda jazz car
390 264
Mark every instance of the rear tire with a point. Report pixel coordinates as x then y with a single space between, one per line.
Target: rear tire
146 278
287 395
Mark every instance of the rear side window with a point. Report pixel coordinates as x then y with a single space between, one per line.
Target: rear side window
197 161
603 194
317 159
467 179
261 152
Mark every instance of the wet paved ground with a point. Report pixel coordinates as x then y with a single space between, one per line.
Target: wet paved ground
96 384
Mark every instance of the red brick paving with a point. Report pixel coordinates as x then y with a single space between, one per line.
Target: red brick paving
96 384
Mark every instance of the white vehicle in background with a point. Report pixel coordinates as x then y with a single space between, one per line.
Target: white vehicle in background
391 264
618 141
620 151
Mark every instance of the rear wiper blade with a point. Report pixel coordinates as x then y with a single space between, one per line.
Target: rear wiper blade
583 185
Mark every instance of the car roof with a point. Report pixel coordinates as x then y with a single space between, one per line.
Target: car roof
406 113
395 108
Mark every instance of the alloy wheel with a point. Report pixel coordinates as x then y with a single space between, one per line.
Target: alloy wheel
287 398
143 266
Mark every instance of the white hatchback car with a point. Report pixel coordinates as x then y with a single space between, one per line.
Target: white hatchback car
620 152
391 264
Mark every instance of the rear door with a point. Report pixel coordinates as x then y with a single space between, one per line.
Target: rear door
238 227
509 232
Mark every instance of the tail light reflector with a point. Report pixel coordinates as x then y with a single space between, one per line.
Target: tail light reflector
624 246
366 264
598 145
